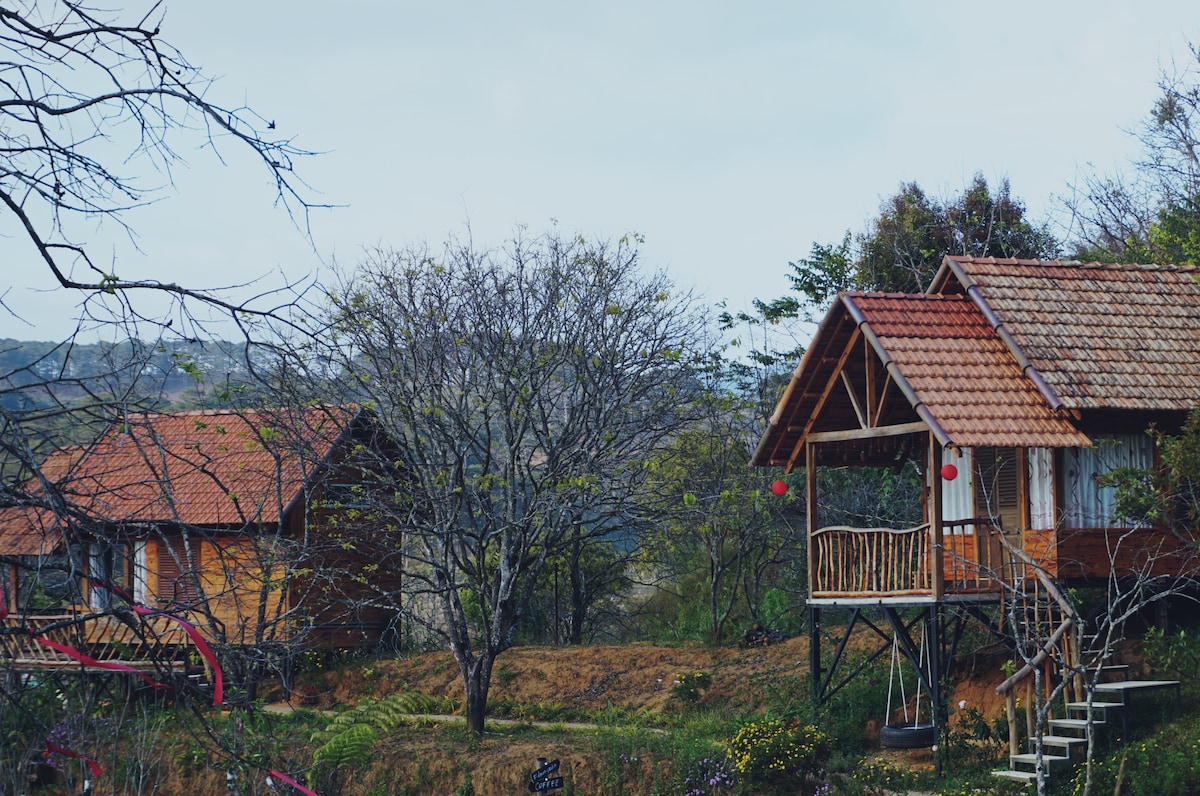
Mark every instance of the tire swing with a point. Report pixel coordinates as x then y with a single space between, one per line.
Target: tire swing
905 734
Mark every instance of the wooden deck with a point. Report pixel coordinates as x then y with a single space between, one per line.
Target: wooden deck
150 643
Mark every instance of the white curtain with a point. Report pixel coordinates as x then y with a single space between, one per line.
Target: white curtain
1085 503
1040 463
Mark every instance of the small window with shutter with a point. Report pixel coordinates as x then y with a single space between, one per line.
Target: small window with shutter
178 573
997 487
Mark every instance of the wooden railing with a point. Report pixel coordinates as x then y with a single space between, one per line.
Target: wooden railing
885 562
975 557
1041 607
144 643
862 562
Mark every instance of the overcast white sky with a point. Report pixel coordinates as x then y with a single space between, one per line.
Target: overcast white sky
732 136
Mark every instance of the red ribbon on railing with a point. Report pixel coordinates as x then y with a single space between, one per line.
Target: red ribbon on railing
201 647
3 610
92 764
88 660
194 634
291 782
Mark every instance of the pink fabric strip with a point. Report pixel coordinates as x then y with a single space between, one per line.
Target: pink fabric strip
201 647
88 660
92 764
292 782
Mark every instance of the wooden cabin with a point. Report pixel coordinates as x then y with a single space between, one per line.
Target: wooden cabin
246 523
1010 384
1029 378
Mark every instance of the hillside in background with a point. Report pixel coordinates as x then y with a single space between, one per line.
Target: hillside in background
165 375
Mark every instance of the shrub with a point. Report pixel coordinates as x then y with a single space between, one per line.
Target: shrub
1165 764
778 753
690 687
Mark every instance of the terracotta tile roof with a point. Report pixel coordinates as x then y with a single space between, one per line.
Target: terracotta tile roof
962 372
206 468
1102 336
28 532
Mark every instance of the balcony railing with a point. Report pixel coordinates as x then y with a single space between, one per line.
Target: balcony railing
870 562
151 643
887 562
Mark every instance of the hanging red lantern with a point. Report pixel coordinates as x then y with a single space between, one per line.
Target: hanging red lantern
949 472
779 488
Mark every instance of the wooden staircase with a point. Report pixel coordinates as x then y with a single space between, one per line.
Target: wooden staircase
1090 692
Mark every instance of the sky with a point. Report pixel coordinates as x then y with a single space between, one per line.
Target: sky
731 136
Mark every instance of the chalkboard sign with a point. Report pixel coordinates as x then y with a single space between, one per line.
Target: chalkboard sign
541 780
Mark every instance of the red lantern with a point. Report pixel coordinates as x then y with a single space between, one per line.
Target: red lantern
779 488
949 472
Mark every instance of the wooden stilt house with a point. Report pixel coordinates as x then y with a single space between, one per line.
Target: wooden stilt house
1011 385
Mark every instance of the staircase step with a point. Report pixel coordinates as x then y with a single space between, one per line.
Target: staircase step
1098 708
1050 761
1061 741
1080 725
1020 776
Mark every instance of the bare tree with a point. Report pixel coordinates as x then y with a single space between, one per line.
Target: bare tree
95 107
524 390
1125 217
92 109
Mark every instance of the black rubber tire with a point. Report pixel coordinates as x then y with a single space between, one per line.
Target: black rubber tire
907 735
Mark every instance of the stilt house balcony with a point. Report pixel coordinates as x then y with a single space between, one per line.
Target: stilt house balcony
897 565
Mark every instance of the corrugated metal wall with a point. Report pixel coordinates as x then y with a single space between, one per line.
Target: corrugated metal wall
1085 504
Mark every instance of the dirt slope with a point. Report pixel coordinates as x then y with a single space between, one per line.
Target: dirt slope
635 676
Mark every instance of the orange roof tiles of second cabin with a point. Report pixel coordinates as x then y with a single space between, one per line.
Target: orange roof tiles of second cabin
961 370
206 468
1103 336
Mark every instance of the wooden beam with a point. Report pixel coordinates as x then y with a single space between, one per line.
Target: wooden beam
934 473
883 392
916 427
855 337
810 509
858 409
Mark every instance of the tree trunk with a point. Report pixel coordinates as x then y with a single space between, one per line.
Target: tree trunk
579 599
477 680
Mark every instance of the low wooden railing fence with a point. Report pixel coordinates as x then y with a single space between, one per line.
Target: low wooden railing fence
143 643
888 562
860 562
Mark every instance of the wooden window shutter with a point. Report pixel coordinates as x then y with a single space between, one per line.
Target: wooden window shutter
997 486
177 573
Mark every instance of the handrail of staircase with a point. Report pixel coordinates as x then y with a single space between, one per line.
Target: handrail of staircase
1070 618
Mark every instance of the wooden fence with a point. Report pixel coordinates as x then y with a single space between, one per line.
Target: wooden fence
151 643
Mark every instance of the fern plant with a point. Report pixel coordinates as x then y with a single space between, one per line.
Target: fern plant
349 738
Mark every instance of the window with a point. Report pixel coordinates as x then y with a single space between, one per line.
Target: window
998 487
108 562
178 575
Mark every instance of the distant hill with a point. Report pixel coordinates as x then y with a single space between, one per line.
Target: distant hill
167 375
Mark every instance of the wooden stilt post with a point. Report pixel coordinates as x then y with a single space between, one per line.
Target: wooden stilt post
814 656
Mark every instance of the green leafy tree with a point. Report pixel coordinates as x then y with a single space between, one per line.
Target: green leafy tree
725 533
904 245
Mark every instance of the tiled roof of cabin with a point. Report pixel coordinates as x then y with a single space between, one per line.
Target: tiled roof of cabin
961 370
206 468
1102 336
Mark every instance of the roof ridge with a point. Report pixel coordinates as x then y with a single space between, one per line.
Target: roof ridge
1089 264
